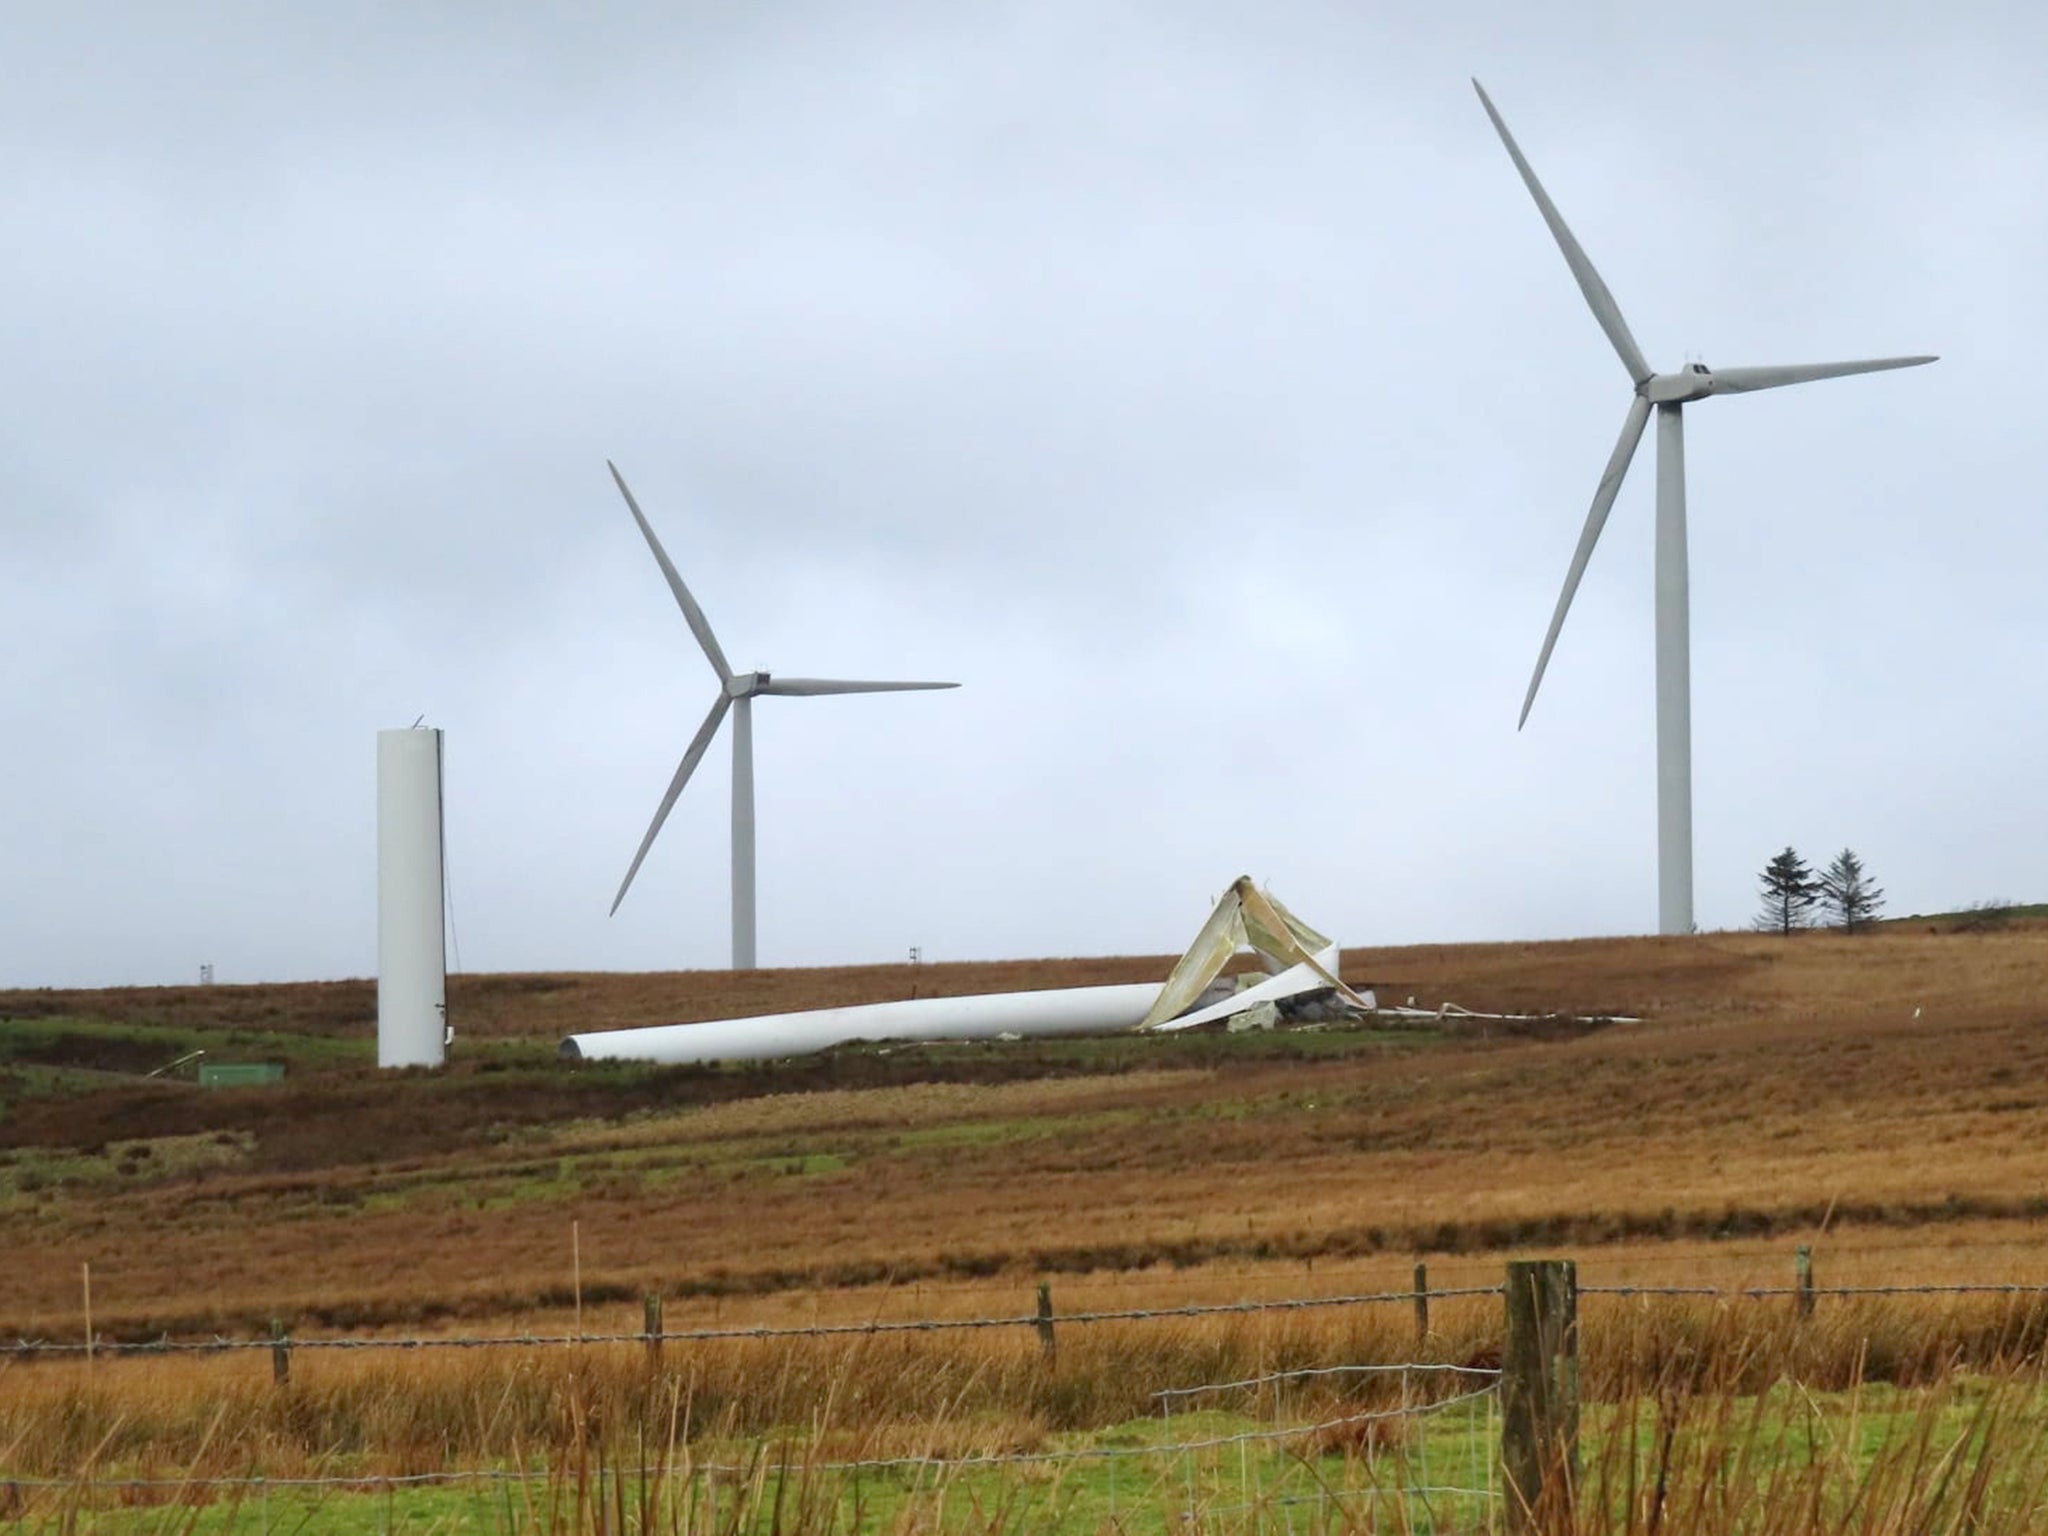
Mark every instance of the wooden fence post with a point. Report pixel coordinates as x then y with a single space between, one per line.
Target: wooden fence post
1539 1394
280 1353
652 1307
1421 1301
1047 1344
1802 1272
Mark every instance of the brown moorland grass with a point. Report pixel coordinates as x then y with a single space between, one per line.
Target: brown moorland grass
936 1395
1684 1458
1674 980
1885 1082
546 1006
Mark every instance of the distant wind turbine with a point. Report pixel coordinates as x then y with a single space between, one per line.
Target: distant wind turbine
736 692
1668 392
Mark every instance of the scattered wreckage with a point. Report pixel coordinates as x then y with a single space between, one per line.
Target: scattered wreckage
1298 983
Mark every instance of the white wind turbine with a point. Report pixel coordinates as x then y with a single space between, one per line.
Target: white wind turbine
1668 392
736 692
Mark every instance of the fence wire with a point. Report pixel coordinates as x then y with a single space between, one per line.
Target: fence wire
217 1344
1765 1292
1411 1477
1186 1450
220 1344
689 1467
1310 1372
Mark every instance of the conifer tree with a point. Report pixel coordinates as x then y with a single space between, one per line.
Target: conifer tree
1789 891
1847 893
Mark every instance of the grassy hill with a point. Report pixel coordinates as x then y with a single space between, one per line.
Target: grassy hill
1878 1088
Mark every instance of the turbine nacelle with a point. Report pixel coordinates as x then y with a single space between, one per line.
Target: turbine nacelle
744 685
1695 381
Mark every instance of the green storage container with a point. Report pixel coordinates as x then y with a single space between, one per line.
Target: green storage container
239 1074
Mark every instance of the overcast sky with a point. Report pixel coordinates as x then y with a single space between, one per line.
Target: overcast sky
1195 383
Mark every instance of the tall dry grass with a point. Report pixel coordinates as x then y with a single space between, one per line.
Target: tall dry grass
917 1394
421 1412
1696 1442
1718 1428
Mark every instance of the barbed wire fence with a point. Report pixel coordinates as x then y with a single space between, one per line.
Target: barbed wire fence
1190 1474
105 1347
1037 1321
1203 1464
1389 1448
1437 1442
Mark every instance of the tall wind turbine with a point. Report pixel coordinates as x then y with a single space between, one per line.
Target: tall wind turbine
1668 392
736 692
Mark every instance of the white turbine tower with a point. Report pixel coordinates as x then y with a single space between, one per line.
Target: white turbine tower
736 692
1668 392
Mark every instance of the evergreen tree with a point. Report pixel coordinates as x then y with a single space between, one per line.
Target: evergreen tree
1789 891
1847 894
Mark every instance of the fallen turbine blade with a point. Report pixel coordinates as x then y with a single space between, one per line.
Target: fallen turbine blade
699 744
809 687
699 625
1596 519
1605 310
1742 381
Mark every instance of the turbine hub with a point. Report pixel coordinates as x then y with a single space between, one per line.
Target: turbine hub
743 685
1695 381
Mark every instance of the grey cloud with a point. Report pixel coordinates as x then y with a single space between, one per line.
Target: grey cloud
1194 383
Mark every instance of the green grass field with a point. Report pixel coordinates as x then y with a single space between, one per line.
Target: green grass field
1965 1454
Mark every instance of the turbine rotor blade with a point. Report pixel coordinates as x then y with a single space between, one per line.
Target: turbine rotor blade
699 745
809 687
1742 381
1605 310
699 625
1596 519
